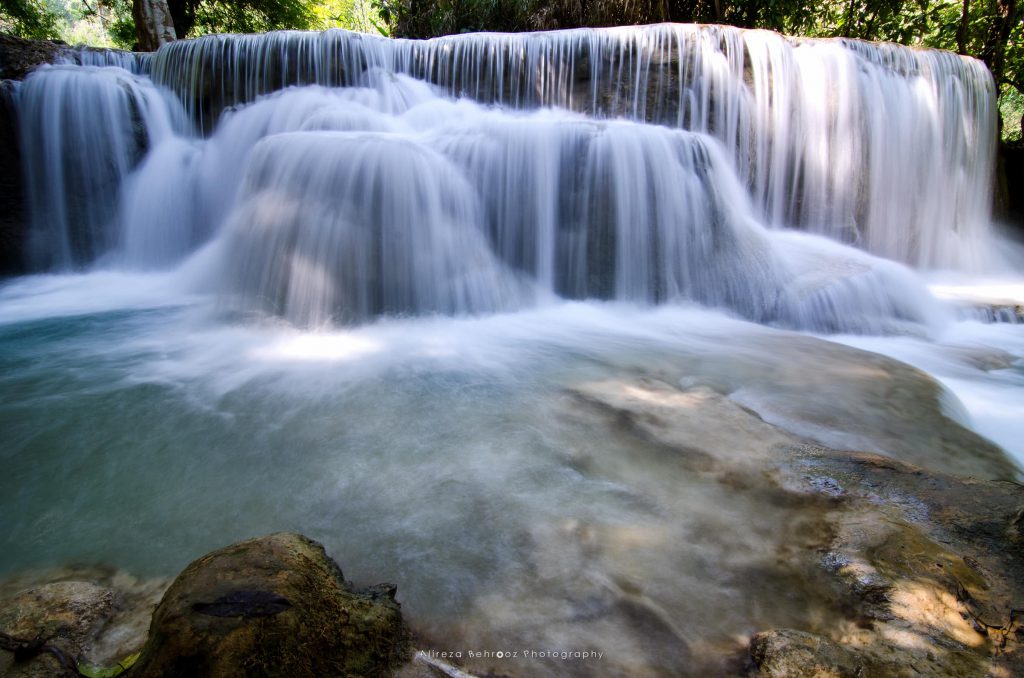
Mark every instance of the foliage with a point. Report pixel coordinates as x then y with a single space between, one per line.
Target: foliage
199 17
1011 109
109 23
30 18
355 15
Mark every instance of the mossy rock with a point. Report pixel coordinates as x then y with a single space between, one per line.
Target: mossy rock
272 606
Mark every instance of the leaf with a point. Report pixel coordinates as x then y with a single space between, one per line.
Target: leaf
93 671
380 29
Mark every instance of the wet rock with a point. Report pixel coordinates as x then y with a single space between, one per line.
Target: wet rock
932 564
991 312
704 426
19 56
99 615
272 606
63 616
786 653
853 400
924 568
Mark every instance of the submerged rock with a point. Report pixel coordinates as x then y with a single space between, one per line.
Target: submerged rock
57 618
924 569
932 563
272 606
60 618
793 654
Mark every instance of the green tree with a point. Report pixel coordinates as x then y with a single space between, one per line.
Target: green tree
30 18
199 17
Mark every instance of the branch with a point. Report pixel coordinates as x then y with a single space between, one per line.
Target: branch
1017 84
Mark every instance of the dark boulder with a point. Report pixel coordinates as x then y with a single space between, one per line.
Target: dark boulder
19 56
272 606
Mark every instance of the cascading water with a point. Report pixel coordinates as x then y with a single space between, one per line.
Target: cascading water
376 291
512 206
830 136
84 129
349 226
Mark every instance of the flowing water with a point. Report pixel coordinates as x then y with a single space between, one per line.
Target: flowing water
362 288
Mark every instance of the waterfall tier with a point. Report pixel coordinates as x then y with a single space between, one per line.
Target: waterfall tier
387 199
344 227
830 136
84 128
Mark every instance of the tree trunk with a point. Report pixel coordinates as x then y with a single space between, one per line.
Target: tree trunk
961 31
153 24
848 20
993 52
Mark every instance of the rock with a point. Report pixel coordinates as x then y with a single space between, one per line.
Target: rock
272 606
12 218
923 569
19 56
1010 177
63 615
931 564
786 653
704 426
99 615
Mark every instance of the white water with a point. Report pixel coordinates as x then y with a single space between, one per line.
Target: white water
83 129
359 309
878 145
340 205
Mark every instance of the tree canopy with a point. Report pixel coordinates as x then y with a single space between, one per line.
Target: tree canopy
111 23
29 18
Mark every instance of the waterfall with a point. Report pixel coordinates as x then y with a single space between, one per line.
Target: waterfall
134 62
335 226
341 176
830 136
83 128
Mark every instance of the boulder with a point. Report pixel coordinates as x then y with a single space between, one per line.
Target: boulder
272 606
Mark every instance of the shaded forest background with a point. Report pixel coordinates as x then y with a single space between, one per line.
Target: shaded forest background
991 30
